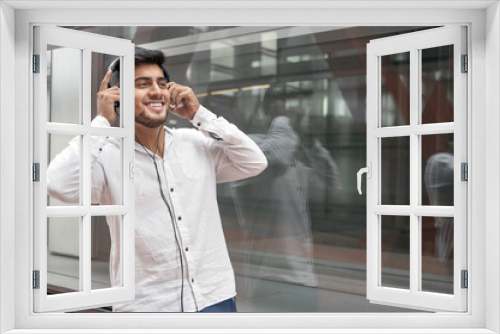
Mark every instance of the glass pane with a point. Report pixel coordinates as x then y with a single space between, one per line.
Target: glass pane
437 84
395 251
437 254
63 182
395 90
273 207
324 72
64 80
63 255
438 167
106 251
395 171
100 66
106 188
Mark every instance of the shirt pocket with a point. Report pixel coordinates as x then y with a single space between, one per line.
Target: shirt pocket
195 162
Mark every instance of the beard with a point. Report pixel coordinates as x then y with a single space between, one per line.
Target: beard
151 122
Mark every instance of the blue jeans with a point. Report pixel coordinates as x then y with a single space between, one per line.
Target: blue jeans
227 305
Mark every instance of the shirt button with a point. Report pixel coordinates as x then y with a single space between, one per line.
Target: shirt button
199 123
187 249
171 190
192 280
179 218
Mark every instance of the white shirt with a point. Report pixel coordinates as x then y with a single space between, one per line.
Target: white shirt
193 162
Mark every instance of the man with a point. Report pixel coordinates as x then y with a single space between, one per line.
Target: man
182 263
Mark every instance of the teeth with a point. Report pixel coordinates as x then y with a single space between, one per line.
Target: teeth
155 104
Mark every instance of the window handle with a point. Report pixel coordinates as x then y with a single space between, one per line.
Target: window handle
368 171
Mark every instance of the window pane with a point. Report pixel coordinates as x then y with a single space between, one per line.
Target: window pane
106 236
395 171
395 90
437 254
64 80
437 84
395 255
273 207
60 192
100 66
314 261
107 153
438 170
63 255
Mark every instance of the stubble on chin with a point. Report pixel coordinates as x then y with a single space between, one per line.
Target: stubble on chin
150 122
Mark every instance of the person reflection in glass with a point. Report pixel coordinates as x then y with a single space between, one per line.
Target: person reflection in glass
438 180
273 207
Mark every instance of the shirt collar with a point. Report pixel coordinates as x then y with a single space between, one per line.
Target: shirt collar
169 137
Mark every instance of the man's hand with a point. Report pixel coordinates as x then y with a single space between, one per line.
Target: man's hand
106 98
183 101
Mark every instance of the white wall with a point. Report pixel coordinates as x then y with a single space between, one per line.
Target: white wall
7 160
492 151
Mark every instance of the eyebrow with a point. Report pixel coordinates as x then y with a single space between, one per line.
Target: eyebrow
149 78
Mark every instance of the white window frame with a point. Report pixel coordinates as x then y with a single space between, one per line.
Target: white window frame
86 297
413 43
483 21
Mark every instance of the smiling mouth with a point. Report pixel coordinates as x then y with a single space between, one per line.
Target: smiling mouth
155 104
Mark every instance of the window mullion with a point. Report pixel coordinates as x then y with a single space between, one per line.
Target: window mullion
85 248
65 211
86 115
109 210
414 171
86 87
85 235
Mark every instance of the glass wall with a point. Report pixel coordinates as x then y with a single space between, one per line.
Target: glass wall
296 234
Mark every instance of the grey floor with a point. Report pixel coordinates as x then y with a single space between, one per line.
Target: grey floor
269 296
284 297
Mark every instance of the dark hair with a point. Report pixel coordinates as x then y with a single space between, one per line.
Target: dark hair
276 92
142 56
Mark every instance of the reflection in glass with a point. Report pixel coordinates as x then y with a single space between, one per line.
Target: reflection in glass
273 206
395 170
438 169
395 256
57 143
437 254
100 66
437 84
395 90
63 255
106 150
64 77
102 246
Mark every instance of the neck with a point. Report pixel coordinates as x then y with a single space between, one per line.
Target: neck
149 138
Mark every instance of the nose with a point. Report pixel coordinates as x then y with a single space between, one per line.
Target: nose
154 89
